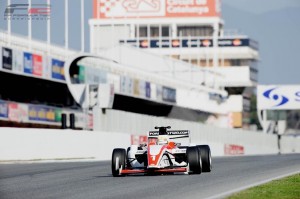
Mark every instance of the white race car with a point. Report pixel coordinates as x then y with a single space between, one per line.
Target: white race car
167 151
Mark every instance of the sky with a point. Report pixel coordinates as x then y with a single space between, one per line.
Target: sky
274 24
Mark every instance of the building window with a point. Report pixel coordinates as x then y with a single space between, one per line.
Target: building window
235 62
142 31
154 31
165 31
194 31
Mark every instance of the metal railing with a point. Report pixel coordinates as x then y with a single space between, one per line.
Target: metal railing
22 42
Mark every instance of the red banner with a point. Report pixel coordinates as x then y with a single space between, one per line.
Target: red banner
138 139
107 9
17 112
37 65
232 149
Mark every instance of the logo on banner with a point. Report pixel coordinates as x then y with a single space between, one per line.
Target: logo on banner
58 69
141 5
28 63
237 42
25 11
7 58
119 8
175 43
156 8
279 99
37 65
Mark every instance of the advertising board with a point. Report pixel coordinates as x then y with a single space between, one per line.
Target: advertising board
107 9
57 69
44 113
17 112
190 43
148 89
18 61
278 97
3 109
91 75
37 65
159 92
7 58
168 94
27 57
136 87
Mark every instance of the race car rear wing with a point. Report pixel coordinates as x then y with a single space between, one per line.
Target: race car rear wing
178 136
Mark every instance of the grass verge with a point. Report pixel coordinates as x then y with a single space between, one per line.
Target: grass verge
285 188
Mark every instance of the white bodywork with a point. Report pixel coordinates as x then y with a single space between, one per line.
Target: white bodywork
157 151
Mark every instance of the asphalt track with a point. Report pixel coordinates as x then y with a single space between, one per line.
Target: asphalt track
85 180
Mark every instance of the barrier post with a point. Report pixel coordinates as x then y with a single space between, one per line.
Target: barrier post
63 121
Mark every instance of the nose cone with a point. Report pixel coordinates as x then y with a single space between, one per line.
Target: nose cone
155 153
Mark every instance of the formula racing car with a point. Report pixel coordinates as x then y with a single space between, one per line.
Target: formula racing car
166 152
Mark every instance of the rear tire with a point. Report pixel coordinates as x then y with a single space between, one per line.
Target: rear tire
204 151
118 161
194 160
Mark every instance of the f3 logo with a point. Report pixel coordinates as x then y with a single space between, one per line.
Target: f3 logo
280 99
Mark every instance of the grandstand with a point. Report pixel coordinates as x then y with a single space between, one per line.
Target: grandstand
43 81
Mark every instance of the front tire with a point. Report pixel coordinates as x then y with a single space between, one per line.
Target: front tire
204 151
118 161
194 160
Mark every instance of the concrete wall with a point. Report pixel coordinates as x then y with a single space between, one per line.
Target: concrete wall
219 139
48 144
115 129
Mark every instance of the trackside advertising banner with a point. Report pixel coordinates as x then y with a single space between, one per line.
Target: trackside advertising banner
17 112
7 58
281 97
57 68
168 94
27 60
37 65
126 85
18 61
33 64
148 90
3 109
44 113
107 9
190 43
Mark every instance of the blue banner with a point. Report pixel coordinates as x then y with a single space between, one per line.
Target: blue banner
42 113
28 63
148 90
192 43
3 109
57 68
168 94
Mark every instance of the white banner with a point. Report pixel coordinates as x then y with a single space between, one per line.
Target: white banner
278 97
18 61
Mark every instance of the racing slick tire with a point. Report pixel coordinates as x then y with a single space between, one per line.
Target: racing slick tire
194 160
204 151
118 161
